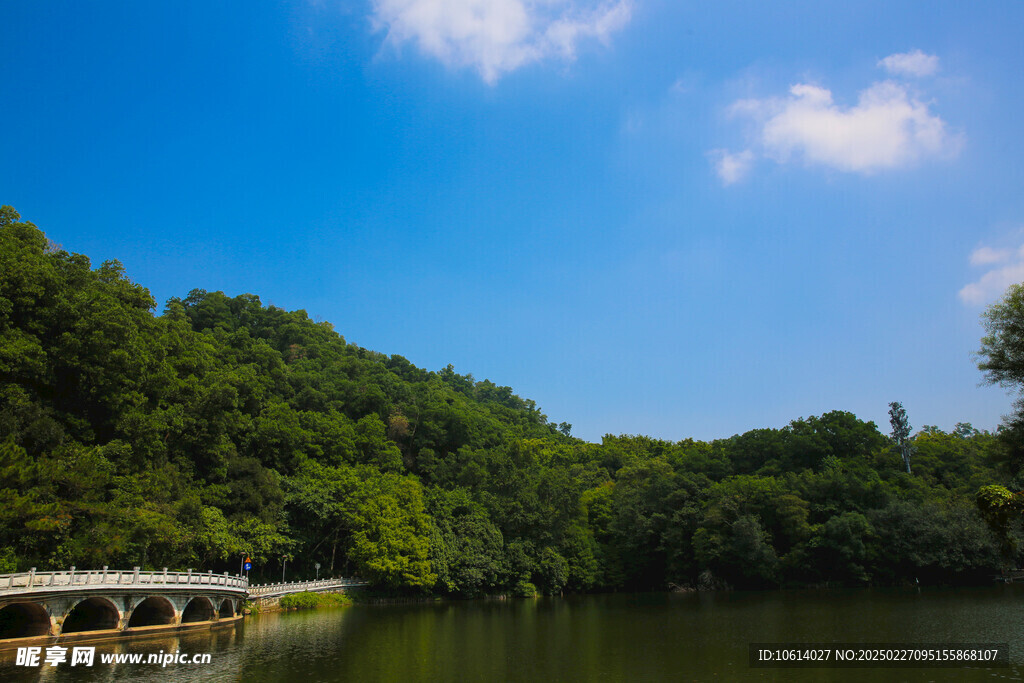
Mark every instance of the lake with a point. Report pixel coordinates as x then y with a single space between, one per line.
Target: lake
621 637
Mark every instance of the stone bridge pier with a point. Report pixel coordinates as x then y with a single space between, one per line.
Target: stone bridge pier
69 614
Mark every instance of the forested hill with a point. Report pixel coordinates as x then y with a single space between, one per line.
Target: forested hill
223 427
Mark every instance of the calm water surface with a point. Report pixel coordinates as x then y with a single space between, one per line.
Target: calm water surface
648 637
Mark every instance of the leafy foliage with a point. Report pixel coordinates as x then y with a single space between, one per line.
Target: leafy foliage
222 427
308 600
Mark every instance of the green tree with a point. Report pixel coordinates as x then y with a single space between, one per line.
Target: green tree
390 531
466 552
1001 356
1001 359
901 432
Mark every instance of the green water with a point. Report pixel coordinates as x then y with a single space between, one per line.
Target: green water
650 637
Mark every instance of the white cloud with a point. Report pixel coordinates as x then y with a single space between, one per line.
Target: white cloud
983 256
732 168
498 36
1008 269
914 63
889 127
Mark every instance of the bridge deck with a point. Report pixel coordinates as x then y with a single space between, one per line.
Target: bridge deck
117 580
275 590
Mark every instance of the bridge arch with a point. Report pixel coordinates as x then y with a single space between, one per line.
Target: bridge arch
24 620
197 609
227 609
91 614
153 611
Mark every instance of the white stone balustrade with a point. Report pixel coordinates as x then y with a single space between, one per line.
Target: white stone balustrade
97 578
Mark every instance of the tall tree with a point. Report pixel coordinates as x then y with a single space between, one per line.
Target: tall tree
901 431
1001 358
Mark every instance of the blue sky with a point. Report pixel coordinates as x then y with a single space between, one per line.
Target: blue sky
678 219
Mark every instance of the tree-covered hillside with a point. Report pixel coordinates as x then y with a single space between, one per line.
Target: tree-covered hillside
223 427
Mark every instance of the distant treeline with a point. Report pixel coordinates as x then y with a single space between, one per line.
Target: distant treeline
223 427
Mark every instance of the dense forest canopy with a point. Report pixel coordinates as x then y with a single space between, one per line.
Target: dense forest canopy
223 427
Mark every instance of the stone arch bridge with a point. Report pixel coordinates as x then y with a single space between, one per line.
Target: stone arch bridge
78 604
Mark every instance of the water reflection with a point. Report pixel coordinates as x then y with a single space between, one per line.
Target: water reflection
586 638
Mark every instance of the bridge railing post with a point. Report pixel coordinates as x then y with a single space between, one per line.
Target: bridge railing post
31 577
188 579
71 576
135 574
